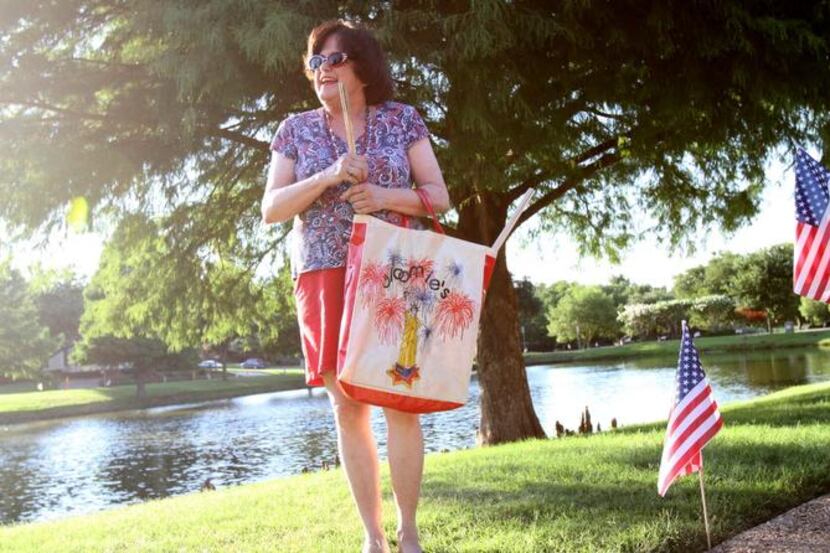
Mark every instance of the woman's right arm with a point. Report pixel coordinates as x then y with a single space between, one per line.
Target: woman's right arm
284 198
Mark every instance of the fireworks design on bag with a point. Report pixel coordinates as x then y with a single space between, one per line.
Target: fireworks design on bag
371 282
454 314
390 318
411 305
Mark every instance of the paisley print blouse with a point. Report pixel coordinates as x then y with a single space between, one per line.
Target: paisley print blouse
320 235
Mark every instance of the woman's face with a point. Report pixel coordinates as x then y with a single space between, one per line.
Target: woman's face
326 77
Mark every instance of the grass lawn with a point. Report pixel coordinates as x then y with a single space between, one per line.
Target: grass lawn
593 493
21 406
751 342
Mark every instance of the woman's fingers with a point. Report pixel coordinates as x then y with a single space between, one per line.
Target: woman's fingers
358 164
354 192
361 207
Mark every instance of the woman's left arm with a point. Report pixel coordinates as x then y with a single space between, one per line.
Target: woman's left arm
368 198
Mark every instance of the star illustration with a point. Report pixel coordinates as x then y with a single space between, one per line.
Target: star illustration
405 375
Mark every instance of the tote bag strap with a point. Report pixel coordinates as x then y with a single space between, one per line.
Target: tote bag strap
424 197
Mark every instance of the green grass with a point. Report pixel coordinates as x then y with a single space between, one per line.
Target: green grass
735 343
16 407
586 494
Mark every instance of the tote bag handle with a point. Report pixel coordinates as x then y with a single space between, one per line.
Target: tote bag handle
424 197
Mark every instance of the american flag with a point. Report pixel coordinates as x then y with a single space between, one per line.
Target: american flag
811 255
694 418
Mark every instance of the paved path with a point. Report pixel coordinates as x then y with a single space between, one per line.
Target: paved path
805 529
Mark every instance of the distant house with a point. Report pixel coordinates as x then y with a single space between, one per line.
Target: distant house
59 363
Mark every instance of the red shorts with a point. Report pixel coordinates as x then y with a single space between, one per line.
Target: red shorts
319 297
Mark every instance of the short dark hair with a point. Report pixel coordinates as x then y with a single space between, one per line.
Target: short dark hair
371 66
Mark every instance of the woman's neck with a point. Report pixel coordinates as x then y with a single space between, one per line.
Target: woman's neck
335 112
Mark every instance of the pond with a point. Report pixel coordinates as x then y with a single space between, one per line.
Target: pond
51 469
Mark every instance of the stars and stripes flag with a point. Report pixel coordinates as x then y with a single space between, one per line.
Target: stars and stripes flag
694 418
811 255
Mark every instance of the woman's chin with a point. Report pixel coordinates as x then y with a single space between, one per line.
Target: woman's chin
328 94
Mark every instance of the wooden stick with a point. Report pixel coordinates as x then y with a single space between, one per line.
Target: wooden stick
508 228
347 117
703 499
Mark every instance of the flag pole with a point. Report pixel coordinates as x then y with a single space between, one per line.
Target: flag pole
347 117
703 499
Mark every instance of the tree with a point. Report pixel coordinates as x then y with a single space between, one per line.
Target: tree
532 316
691 283
584 314
816 313
653 319
764 281
59 297
203 302
714 278
623 292
172 105
143 355
25 345
714 313
720 273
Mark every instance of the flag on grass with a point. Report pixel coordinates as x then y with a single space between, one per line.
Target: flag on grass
811 255
694 418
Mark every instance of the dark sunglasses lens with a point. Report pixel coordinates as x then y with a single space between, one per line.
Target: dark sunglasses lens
314 62
337 58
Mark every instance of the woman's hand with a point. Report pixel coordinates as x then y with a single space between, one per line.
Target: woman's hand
348 167
365 198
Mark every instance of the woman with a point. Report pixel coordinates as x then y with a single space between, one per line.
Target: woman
314 179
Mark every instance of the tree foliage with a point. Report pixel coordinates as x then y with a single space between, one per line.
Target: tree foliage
625 107
204 301
59 297
25 344
533 316
140 354
816 313
585 314
764 281
714 278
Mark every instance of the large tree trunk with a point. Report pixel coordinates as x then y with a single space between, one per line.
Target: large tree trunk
506 406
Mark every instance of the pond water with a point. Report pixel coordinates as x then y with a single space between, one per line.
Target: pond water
51 469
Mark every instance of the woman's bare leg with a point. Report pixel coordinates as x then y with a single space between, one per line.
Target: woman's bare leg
359 456
406 465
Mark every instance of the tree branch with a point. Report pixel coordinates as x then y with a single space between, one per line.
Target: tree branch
55 109
536 180
604 114
242 139
567 185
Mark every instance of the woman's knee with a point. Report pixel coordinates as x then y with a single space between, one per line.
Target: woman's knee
348 413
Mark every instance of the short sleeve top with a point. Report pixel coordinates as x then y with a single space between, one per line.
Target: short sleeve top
320 236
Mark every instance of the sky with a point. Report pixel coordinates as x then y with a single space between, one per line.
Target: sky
648 262
547 260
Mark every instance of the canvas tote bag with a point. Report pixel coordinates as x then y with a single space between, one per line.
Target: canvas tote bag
413 300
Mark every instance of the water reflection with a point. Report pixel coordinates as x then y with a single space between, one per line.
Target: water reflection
51 469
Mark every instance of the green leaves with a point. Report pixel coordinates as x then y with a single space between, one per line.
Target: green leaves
143 288
583 314
25 345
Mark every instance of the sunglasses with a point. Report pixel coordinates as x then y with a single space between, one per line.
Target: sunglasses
316 61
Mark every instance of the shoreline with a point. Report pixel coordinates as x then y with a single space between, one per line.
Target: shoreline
738 343
528 495
159 395
293 379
